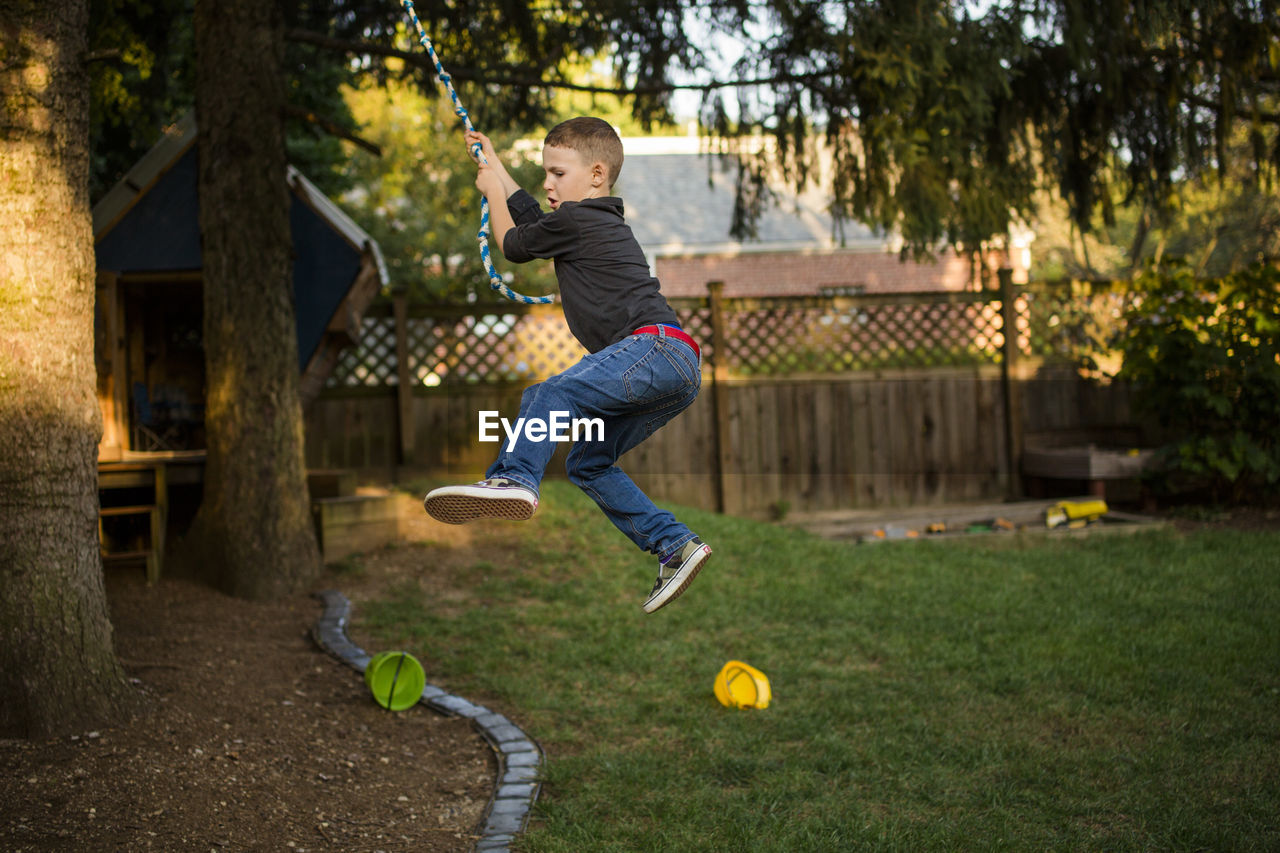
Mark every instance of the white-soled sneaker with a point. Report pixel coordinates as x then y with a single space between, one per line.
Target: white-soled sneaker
676 573
495 498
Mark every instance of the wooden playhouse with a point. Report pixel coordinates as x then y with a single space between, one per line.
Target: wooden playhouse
148 325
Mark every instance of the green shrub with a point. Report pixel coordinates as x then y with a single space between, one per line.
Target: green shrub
1203 358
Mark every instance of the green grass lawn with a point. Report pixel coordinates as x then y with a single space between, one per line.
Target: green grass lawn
1020 693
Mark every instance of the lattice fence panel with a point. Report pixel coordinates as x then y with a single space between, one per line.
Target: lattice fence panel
694 317
372 364
763 337
491 348
776 337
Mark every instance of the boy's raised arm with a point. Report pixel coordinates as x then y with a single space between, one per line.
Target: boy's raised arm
496 184
508 183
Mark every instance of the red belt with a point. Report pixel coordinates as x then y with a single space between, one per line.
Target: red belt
672 332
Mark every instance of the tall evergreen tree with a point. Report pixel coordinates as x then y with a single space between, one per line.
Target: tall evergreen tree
254 526
57 667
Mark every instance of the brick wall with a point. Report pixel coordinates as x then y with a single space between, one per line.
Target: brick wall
809 273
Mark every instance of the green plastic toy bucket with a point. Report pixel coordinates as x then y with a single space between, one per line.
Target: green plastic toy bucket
396 680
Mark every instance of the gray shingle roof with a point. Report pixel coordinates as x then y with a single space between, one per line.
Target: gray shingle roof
683 202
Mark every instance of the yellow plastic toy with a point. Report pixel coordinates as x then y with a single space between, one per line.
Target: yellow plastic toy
1074 514
741 685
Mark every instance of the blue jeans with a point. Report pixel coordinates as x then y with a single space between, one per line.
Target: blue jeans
634 386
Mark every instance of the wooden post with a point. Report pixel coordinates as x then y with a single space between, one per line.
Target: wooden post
159 523
110 359
404 379
1011 383
720 395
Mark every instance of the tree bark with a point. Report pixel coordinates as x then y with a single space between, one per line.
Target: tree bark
58 671
254 528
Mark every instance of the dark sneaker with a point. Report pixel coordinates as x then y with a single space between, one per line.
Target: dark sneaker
496 498
677 572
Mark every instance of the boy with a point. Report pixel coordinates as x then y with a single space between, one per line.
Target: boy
641 369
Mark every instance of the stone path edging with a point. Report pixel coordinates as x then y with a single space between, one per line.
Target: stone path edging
519 756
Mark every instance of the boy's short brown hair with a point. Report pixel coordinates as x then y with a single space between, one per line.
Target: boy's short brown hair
593 138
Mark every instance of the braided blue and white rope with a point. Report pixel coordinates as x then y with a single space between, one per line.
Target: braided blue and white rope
495 280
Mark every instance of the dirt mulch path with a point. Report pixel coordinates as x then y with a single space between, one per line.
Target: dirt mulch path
253 740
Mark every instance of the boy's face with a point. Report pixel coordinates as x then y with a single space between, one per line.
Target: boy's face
569 177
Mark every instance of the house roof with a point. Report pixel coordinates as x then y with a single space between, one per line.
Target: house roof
149 222
680 199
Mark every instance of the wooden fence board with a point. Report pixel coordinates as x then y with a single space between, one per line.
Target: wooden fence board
990 433
841 429
793 441
931 428
964 434
825 432
877 450
862 491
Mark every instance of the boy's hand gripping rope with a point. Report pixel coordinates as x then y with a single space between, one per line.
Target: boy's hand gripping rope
495 280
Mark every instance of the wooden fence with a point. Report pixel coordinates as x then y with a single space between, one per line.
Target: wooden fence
807 403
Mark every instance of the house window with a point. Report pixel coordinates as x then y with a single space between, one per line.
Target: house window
842 289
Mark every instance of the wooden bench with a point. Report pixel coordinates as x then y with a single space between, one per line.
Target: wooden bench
1091 465
132 475
154 553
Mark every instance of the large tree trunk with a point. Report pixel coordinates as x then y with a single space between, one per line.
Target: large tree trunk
254 527
57 668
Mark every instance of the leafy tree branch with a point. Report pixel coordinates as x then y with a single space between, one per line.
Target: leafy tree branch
510 77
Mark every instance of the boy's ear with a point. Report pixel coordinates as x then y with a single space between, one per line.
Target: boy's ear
599 174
